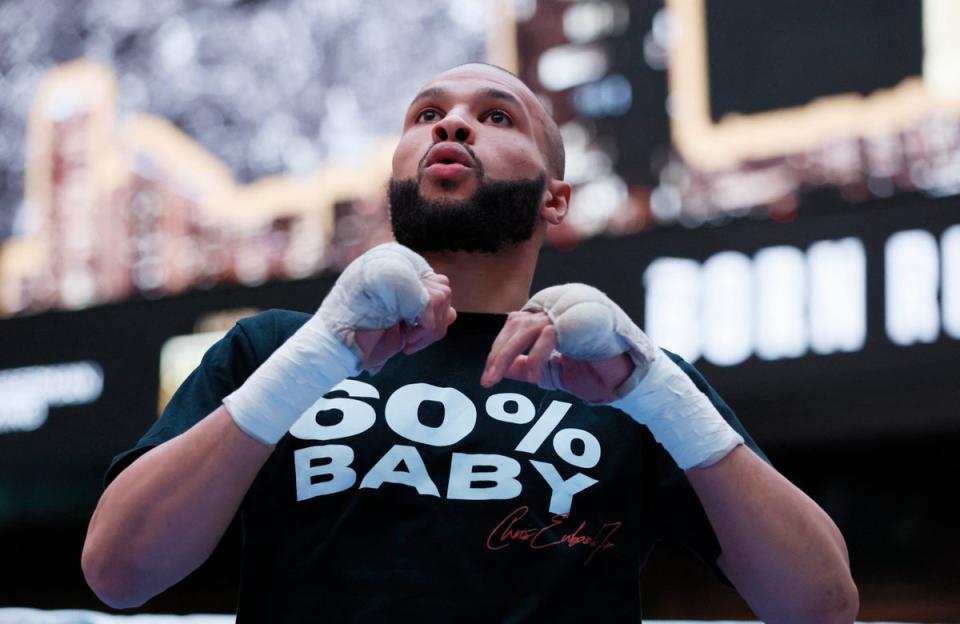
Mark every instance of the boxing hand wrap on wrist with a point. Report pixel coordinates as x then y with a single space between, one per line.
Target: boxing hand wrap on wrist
680 417
658 394
303 369
376 291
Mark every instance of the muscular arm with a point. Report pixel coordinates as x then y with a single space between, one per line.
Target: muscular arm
781 551
165 513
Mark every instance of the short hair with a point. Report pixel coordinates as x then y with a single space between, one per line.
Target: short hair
553 141
554 151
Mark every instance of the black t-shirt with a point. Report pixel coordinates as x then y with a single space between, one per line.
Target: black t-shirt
417 493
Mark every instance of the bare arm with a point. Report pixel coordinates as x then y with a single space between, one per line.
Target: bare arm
783 553
165 513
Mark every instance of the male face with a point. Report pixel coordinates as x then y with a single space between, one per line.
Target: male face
469 172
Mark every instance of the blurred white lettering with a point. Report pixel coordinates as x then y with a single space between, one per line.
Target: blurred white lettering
837 274
672 308
779 304
781 324
912 281
29 392
726 309
951 281
784 303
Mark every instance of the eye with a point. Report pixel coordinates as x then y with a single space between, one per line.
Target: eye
428 115
500 118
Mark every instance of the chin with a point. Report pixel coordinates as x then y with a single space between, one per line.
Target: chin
447 189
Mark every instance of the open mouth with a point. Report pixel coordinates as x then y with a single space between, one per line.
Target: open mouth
449 154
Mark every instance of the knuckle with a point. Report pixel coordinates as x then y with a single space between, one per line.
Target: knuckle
514 320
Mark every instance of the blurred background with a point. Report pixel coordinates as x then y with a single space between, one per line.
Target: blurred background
769 188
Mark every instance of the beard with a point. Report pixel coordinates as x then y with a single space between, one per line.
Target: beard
498 214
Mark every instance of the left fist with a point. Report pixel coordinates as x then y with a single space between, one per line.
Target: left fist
578 340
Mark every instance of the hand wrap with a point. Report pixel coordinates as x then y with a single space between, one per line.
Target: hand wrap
658 394
376 291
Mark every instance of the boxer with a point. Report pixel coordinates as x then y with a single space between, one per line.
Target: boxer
569 443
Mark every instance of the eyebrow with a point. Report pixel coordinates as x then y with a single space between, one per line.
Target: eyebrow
496 94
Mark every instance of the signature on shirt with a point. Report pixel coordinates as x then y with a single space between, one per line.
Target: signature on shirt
513 530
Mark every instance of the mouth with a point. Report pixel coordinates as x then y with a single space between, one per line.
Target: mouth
453 156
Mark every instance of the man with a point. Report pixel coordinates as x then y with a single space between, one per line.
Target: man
501 468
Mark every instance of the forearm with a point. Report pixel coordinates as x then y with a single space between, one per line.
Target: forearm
165 513
779 548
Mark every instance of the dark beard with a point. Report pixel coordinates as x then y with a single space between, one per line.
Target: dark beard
498 214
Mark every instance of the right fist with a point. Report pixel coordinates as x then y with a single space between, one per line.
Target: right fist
385 301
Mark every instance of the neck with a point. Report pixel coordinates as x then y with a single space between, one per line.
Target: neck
488 282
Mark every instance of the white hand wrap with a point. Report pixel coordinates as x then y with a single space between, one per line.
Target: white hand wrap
590 327
375 291
680 417
657 394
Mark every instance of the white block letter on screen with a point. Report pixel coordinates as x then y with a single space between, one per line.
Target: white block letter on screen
726 309
672 307
780 294
950 289
912 279
838 295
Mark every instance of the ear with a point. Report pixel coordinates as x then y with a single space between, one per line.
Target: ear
557 195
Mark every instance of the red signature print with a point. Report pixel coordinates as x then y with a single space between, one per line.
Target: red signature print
509 531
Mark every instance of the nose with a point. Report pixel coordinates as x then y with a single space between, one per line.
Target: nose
452 128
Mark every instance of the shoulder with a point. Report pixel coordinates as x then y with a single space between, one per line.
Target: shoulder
256 337
682 363
725 411
691 371
698 380
271 326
